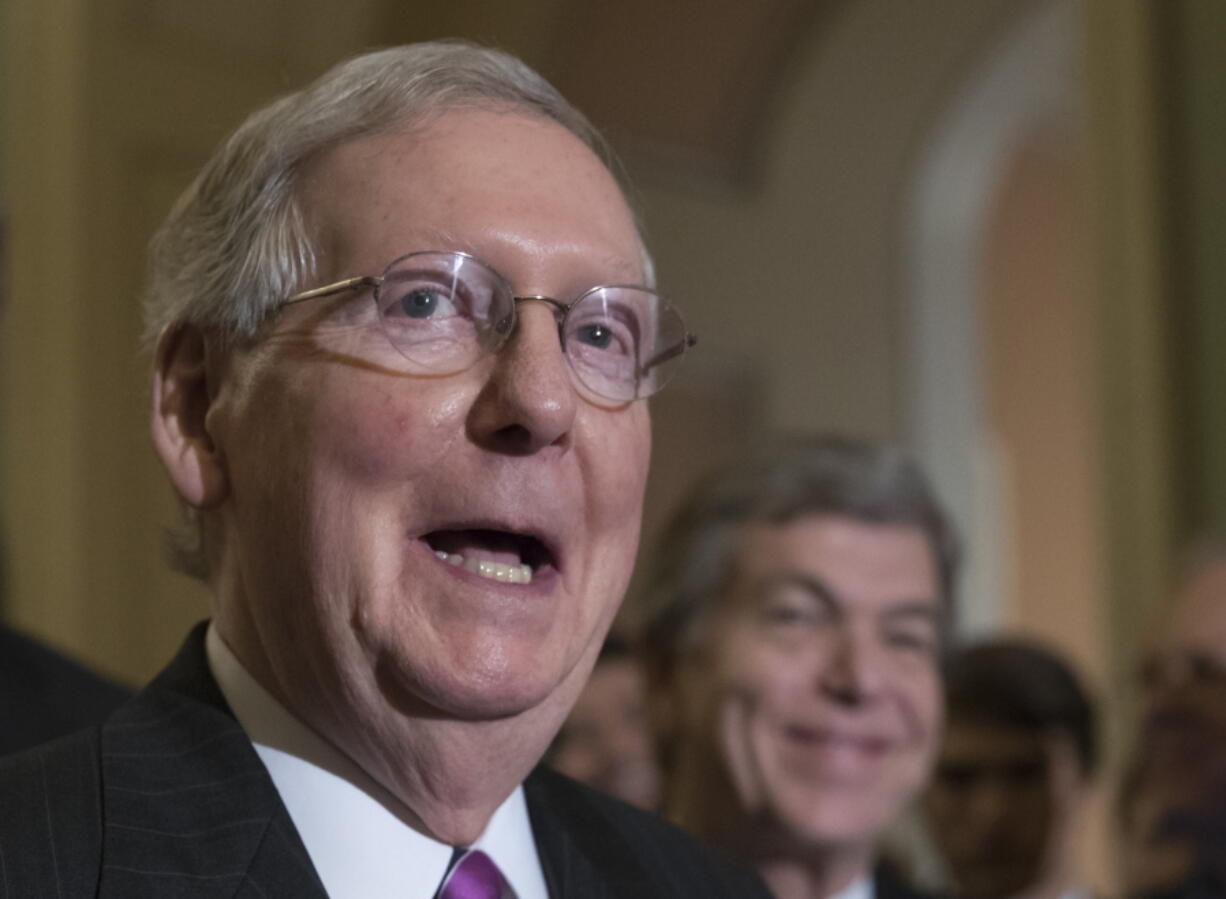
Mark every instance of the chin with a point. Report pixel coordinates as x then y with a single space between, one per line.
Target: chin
468 692
826 823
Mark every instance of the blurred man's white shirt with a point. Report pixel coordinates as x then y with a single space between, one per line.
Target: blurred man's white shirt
860 888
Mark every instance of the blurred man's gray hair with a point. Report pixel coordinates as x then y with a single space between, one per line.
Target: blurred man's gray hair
779 483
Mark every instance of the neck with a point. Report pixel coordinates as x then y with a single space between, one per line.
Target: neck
452 776
1054 882
813 878
448 776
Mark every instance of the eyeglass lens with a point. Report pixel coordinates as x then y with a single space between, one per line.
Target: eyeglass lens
443 311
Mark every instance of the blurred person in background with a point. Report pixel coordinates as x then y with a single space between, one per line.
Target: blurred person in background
1173 794
1014 774
794 623
605 742
44 694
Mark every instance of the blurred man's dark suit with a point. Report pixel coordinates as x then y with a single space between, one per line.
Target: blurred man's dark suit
888 883
1206 884
169 798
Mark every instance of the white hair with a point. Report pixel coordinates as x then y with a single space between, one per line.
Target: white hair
235 243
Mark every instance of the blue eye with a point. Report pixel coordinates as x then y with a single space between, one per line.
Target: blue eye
420 303
598 336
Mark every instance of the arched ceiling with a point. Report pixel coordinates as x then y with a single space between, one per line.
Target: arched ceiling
689 84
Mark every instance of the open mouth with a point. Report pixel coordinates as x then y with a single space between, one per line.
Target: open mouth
505 556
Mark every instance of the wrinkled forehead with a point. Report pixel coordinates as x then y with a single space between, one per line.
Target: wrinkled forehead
476 180
842 551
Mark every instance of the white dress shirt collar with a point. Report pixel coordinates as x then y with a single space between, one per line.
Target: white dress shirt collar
860 888
354 830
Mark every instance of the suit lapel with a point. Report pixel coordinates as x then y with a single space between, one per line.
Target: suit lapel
582 855
189 807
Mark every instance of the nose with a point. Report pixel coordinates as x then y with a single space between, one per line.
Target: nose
529 401
987 806
853 672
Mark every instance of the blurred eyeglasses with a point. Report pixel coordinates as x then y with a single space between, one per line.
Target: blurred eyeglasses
1188 668
444 311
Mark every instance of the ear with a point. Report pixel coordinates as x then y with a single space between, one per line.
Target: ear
182 397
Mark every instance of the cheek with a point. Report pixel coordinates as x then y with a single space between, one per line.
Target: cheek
772 678
380 434
615 448
921 716
923 707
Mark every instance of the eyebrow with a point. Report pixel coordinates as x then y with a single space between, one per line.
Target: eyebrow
908 609
807 582
916 608
450 241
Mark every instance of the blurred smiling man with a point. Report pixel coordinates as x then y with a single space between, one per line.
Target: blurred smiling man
795 623
404 330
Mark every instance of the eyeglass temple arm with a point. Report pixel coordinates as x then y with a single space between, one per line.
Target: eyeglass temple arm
329 289
668 353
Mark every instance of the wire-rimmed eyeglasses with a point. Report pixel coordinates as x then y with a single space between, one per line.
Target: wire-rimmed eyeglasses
442 311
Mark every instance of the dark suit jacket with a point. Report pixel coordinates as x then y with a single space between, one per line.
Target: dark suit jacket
169 799
888 883
44 695
1201 884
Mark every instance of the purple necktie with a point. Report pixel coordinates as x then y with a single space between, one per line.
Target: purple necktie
475 877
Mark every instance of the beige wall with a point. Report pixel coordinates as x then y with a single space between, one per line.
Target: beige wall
793 277
1043 394
1045 409
800 271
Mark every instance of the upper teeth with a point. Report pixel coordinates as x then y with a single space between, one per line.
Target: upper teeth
512 574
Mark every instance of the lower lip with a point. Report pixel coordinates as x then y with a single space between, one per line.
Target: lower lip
543 579
842 754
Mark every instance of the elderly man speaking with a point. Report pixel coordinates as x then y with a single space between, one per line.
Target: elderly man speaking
404 327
